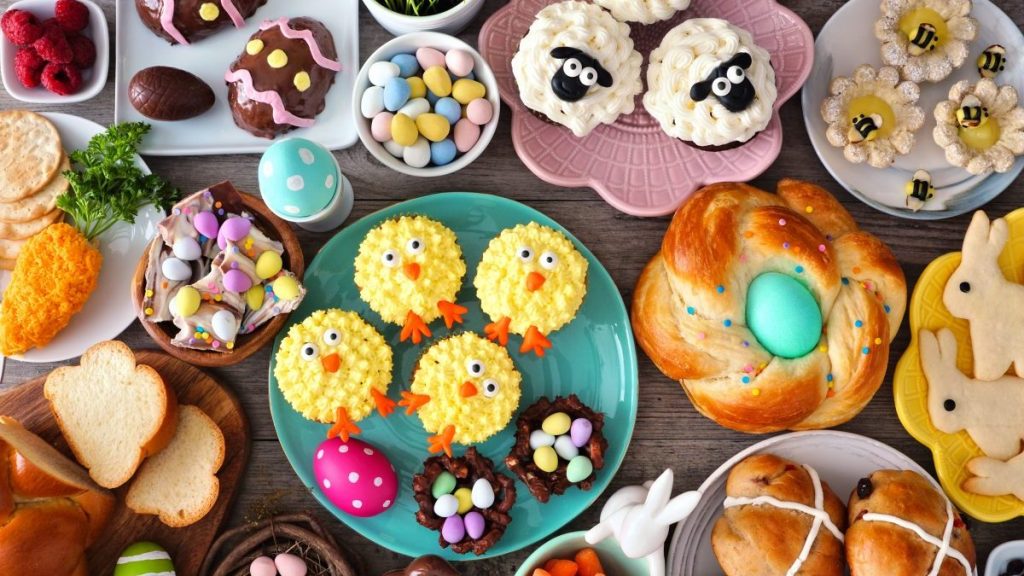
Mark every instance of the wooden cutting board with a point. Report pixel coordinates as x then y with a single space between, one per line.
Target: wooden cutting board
189 545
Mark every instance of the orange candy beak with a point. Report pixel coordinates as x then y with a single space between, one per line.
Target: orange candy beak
468 389
534 281
331 363
411 270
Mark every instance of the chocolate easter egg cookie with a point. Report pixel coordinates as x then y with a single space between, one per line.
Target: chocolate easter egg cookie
185 21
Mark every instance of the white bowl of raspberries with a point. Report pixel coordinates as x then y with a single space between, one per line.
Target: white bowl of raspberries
54 51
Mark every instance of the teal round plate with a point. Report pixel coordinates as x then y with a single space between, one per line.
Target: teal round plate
593 357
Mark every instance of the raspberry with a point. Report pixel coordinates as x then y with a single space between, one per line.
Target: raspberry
29 67
63 79
83 49
53 47
72 15
21 27
51 24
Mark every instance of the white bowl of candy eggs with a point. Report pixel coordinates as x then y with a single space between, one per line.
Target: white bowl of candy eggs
426 104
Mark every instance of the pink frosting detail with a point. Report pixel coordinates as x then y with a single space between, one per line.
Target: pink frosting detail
167 21
307 36
233 13
269 97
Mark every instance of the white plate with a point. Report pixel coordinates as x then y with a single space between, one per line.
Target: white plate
848 40
840 458
110 310
215 132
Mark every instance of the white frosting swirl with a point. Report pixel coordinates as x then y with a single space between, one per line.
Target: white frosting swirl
588 28
643 11
687 54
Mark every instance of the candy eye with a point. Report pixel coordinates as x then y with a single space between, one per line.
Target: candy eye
735 74
572 67
548 260
332 337
391 258
475 368
309 351
525 253
414 246
588 77
721 87
490 388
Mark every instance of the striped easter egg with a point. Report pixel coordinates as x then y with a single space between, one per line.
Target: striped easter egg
144 559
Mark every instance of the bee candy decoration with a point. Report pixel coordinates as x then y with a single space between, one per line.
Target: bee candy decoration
992 61
923 39
919 190
865 127
578 73
971 113
729 83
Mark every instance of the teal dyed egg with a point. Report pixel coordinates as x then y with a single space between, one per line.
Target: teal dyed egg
144 558
298 178
783 315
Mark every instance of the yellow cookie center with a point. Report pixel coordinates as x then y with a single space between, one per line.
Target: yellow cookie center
912 20
254 47
871 104
277 59
209 11
302 81
982 137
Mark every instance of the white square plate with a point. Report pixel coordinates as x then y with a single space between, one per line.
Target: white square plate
215 132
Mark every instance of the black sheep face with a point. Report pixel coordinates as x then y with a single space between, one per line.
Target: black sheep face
578 73
729 83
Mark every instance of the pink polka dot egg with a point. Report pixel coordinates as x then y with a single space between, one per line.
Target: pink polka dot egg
355 476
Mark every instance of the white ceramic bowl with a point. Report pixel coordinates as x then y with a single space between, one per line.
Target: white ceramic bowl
409 43
450 22
567 545
1001 556
92 80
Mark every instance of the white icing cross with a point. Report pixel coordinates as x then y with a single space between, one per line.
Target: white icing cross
942 545
818 513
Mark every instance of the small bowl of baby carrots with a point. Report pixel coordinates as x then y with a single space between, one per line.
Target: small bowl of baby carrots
571 555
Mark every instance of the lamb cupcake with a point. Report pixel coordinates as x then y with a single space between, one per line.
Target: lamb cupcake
577 67
980 126
643 11
710 85
926 39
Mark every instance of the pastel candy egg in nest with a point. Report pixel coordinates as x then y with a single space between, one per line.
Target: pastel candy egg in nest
143 558
290 565
355 476
298 178
262 566
475 524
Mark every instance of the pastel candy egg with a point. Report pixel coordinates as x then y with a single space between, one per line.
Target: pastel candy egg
298 179
403 130
545 458
459 62
290 565
428 57
237 281
479 111
580 432
540 438
417 89
483 494
443 484
556 424
144 558
466 90
407 64
175 270
206 224
417 155
286 288
380 72
268 264
394 148
449 108
475 524
262 566
466 135
380 126
433 127
446 506
465 498
254 297
185 302
355 476
186 248
565 449
396 93
443 152
437 80
579 469
453 530
783 315
415 107
225 325
233 230
372 102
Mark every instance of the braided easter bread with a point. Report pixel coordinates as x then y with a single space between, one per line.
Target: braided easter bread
808 348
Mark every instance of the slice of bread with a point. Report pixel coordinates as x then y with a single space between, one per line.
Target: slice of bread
112 412
180 484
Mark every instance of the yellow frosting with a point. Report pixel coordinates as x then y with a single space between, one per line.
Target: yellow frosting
913 19
982 137
871 104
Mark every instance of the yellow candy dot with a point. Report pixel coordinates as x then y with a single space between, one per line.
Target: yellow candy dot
756 391
209 11
809 209
556 424
466 90
277 59
301 81
149 293
417 89
286 288
230 345
149 311
254 47
878 341
546 458
823 349
254 297
465 498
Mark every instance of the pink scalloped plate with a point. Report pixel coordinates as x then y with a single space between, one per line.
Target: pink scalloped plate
632 164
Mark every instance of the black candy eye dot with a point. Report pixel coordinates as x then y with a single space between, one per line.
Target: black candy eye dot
949 405
965 287
865 488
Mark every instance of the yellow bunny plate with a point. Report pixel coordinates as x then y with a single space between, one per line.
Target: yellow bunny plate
952 452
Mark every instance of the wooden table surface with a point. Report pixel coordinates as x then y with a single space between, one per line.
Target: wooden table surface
669 432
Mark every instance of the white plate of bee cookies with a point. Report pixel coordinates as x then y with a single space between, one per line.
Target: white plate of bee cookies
913 106
229 76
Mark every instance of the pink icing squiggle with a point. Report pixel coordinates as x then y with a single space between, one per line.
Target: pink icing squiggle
233 13
307 36
167 21
269 97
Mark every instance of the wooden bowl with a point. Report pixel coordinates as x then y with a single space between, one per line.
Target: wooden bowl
246 344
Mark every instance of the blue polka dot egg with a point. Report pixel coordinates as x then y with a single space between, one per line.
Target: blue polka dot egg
298 178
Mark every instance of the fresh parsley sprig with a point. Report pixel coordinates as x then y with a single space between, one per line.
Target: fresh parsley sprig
106 186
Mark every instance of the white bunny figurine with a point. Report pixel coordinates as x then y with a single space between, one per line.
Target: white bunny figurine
639 518
979 292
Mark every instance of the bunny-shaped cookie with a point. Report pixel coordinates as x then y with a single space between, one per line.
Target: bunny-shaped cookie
639 518
989 411
994 306
996 478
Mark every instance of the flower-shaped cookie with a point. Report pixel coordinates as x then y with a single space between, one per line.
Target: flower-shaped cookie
993 140
872 116
926 39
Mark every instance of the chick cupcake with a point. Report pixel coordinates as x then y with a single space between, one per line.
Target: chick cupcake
409 270
335 368
577 66
643 11
464 390
926 39
710 85
872 116
531 281
980 126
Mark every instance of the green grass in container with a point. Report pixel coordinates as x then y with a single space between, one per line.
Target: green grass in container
420 7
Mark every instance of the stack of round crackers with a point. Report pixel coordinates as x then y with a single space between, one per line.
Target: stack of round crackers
32 162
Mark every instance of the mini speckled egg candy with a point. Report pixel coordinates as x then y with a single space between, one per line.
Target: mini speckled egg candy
459 62
479 111
355 476
301 182
407 64
466 135
290 565
380 127
428 57
206 224
144 558
372 102
443 153
263 566
381 72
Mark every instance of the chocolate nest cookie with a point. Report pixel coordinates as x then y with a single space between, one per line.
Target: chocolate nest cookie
552 452
465 500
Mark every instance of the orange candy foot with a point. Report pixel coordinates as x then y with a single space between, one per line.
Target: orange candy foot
414 328
343 427
442 441
452 313
385 405
534 342
412 402
498 330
